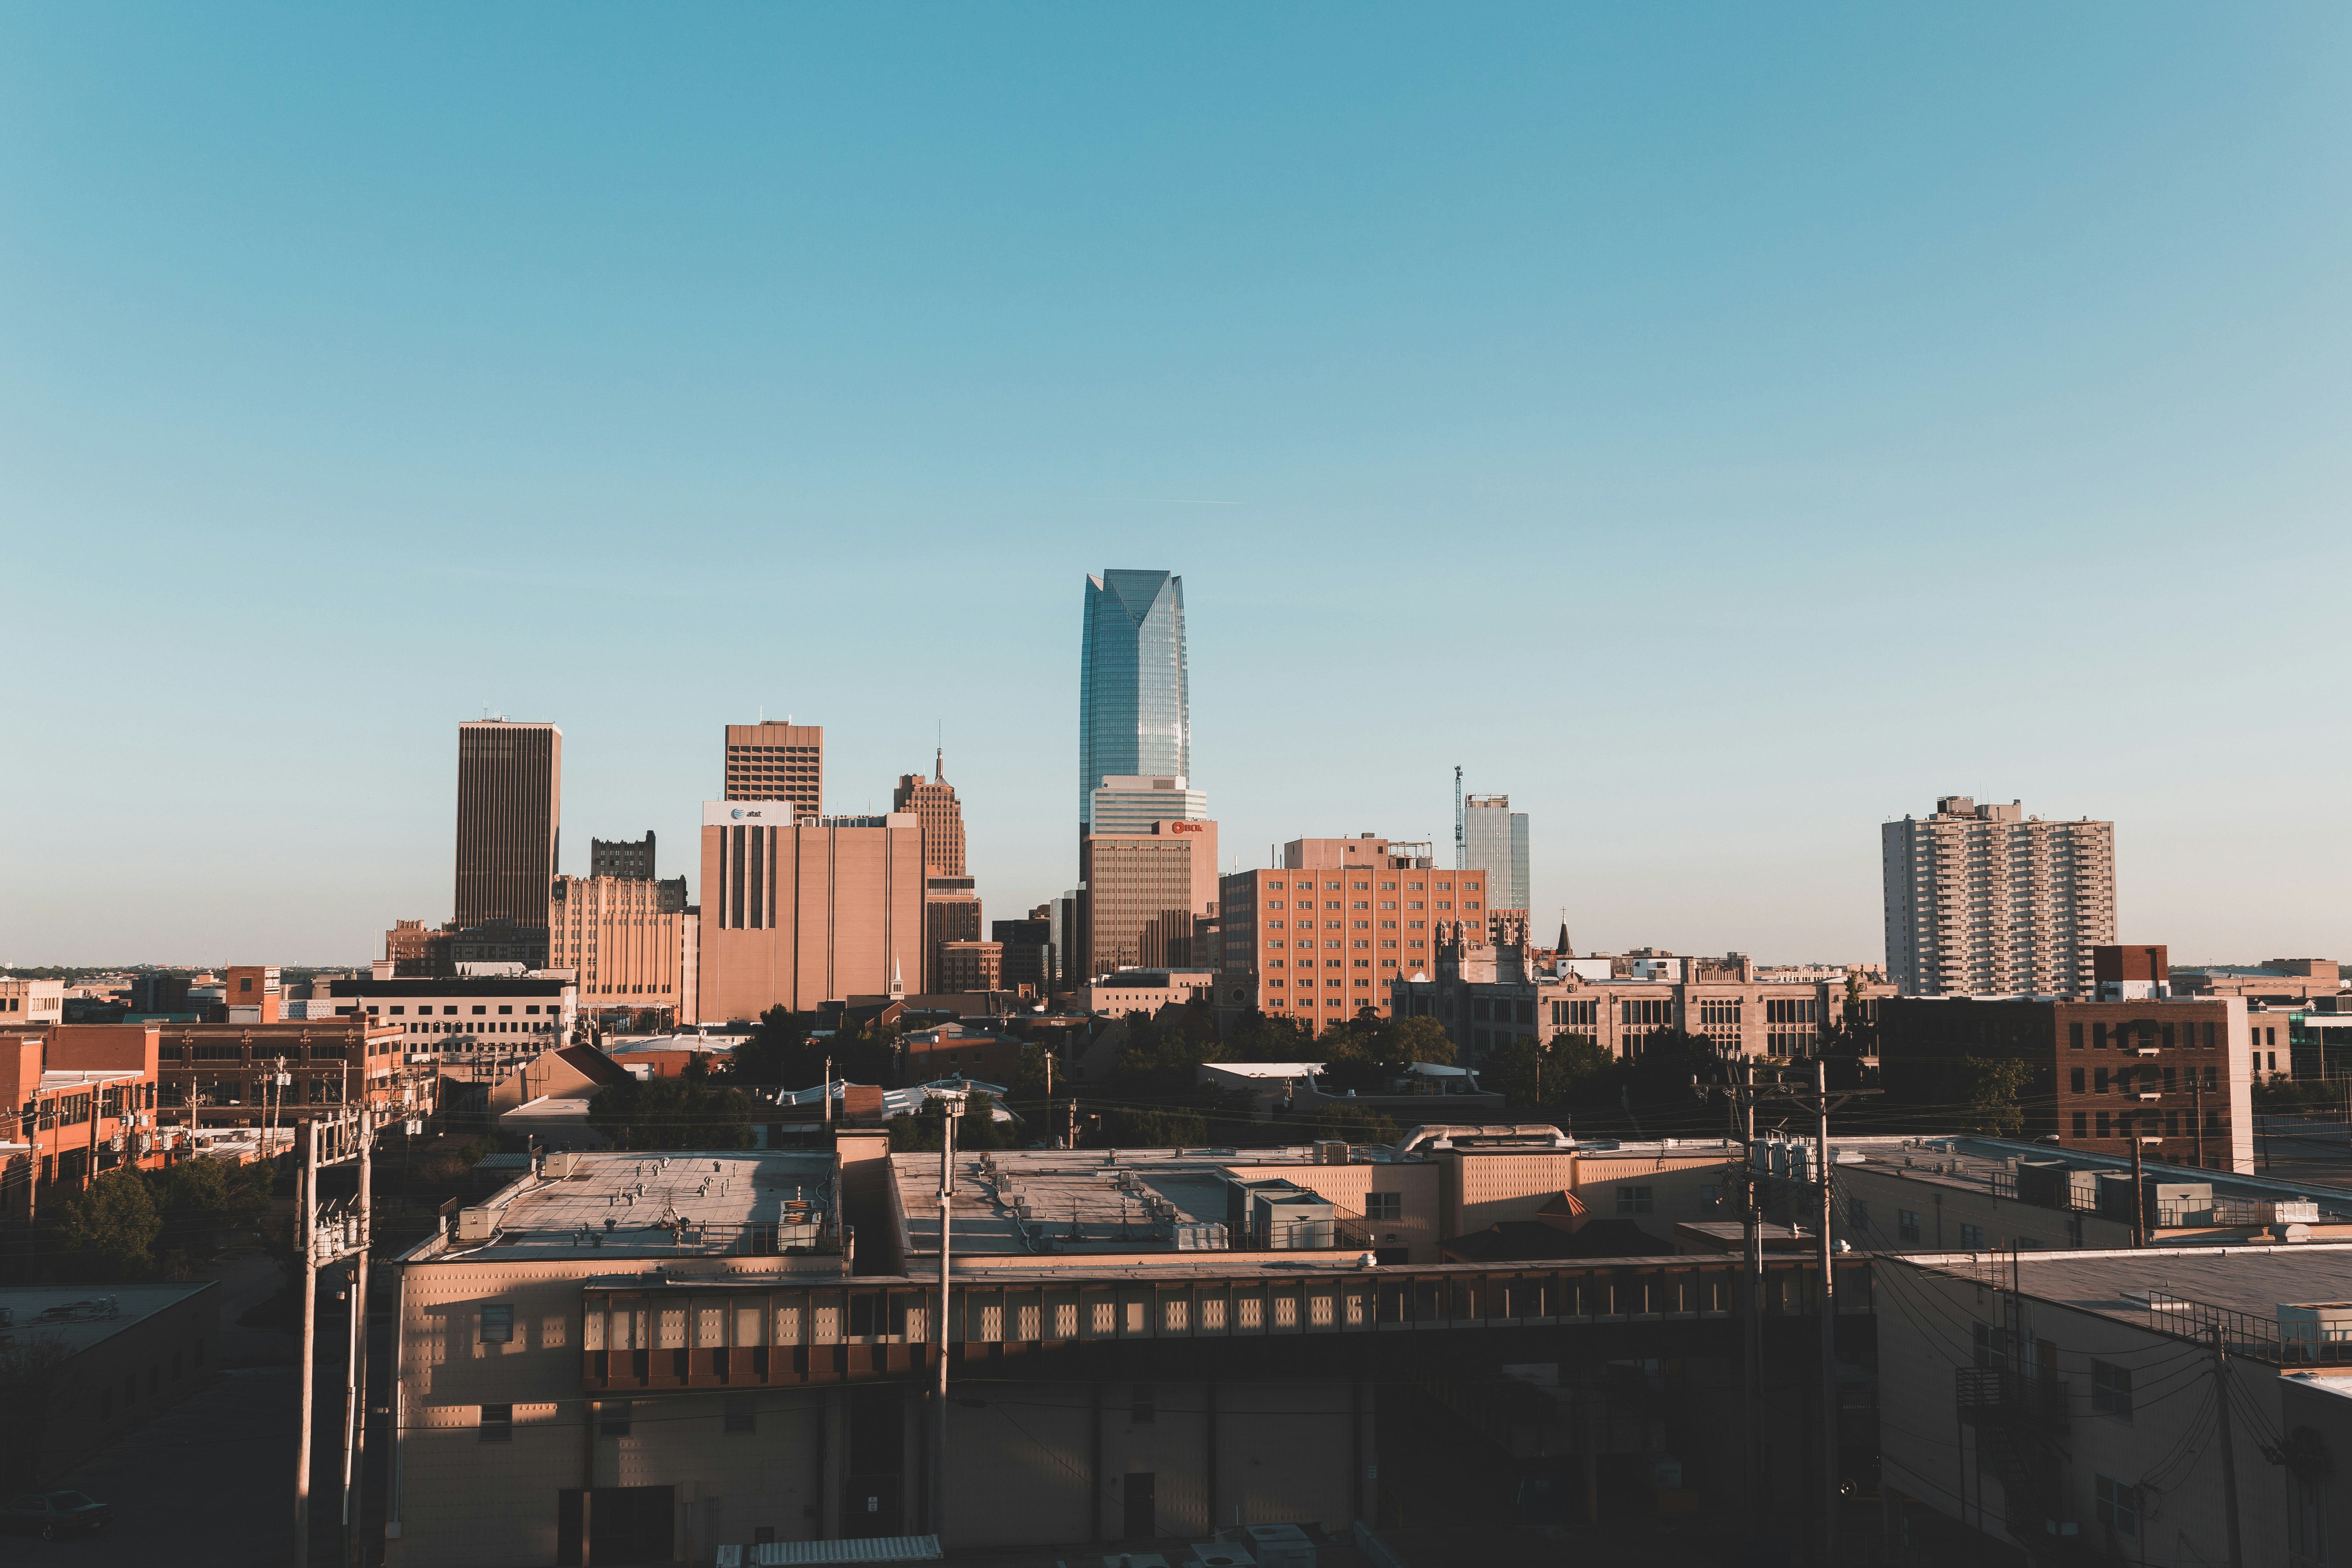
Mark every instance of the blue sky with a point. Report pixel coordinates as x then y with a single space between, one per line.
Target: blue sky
1718 429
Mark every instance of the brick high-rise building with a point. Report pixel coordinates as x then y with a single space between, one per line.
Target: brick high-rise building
622 856
933 801
1336 925
1983 899
796 912
768 761
509 806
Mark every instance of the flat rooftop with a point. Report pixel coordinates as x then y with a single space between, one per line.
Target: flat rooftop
1989 1166
2254 1280
684 1204
79 1316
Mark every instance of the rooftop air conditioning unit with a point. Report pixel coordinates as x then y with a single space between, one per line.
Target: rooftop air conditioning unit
477 1225
1280 1546
1220 1554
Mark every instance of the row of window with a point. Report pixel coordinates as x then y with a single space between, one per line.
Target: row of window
1365 904
2122 1125
2125 1080
154 1382
2146 1035
1308 887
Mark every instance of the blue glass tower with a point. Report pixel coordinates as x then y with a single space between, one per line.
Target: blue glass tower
1134 710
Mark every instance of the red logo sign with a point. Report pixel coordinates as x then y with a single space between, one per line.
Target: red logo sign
1187 827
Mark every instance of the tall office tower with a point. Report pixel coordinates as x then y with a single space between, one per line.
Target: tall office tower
509 803
768 761
797 912
933 801
632 857
1985 901
1495 840
1026 951
1134 710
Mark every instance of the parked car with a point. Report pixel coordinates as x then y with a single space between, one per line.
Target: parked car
51 1515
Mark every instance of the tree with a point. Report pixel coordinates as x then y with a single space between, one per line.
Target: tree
672 1113
1353 1124
1994 1085
32 1387
1164 1052
1547 1074
1366 1053
1258 1036
108 1230
198 1199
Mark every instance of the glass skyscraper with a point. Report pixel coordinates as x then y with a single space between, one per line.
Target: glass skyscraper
1496 842
1134 708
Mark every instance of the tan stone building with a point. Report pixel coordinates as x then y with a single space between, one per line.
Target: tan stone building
31 1002
966 966
798 912
631 941
951 914
769 760
933 801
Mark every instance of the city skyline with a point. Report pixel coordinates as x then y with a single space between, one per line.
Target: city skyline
1721 440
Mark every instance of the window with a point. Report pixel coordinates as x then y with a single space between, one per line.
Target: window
1971 1236
497 1424
2082 1124
2074 1036
742 1413
2118 1505
1633 1200
2111 1390
2075 1080
2105 1129
2099 1081
1384 1205
1906 1224
498 1322
612 1420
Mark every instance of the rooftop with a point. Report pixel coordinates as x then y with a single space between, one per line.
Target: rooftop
81 1315
685 1203
2183 1291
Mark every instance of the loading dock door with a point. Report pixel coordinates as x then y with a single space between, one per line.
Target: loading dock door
1141 1489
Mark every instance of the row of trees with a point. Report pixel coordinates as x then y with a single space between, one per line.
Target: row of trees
132 1225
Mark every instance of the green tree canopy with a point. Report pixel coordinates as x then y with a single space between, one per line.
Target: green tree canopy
1994 1085
1353 1124
672 1113
1367 1053
1558 1073
108 1231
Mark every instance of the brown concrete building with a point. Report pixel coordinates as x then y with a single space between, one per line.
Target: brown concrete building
1333 931
798 912
416 951
631 857
2275 980
950 914
222 1075
631 941
1983 899
1030 957
509 811
2174 1073
965 966
129 1355
1195 1344
1143 893
769 760
933 801
957 1050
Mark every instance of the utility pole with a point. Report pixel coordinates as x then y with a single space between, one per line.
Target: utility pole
306 1236
355 1369
2197 1114
1828 1317
2140 1197
1752 1317
948 1108
2229 1454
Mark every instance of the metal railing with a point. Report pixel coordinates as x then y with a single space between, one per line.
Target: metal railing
2245 1334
